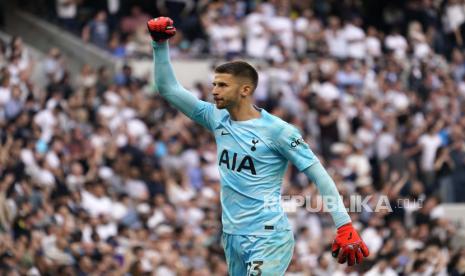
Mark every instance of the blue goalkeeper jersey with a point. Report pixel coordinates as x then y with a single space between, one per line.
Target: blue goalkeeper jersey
252 157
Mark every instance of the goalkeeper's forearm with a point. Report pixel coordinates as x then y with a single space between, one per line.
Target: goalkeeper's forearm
328 190
167 85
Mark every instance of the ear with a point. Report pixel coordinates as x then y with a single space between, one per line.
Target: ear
246 90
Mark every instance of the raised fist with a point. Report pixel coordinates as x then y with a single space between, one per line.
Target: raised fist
161 28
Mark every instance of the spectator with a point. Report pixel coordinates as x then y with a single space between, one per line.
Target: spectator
67 14
355 38
97 30
137 18
53 65
397 43
429 142
334 35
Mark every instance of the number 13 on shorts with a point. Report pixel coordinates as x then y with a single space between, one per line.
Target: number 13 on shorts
253 268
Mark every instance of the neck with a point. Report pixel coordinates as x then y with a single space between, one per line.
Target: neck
243 112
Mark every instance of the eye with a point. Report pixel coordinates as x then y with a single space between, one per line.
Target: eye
219 84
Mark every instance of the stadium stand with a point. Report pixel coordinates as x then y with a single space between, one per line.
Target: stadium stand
99 176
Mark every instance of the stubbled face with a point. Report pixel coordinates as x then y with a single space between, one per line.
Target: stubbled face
226 90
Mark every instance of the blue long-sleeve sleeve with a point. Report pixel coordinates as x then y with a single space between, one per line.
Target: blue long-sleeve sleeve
167 85
327 188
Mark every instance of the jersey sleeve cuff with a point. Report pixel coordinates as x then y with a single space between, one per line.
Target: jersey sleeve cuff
303 167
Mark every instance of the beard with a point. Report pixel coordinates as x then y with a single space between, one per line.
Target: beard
220 104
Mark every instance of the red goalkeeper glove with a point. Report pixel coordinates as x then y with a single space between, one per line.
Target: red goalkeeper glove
349 246
161 28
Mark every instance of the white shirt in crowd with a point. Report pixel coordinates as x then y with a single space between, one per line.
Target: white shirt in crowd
328 91
66 9
5 95
383 145
378 271
373 46
360 164
337 43
430 144
258 40
398 44
366 136
282 26
372 239
454 16
397 99
96 205
225 38
355 39
232 36
261 92
47 122
301 26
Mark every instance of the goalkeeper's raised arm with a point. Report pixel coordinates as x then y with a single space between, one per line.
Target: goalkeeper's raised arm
161 29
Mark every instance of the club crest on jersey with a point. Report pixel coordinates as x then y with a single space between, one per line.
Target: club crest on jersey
254 142
233 162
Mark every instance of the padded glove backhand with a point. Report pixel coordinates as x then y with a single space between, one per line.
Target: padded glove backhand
348 246
161 28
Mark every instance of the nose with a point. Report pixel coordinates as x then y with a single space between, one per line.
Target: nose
215 91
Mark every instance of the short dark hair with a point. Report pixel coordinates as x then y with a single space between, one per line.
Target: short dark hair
239 69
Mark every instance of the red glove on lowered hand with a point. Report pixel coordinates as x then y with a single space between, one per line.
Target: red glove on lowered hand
161 28
349 246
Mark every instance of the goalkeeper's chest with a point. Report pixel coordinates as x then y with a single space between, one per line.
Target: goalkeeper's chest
243 150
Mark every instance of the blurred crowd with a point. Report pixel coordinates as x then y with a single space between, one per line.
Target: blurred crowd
274 30
100 176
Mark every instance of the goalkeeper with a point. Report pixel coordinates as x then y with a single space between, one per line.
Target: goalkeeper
254 148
